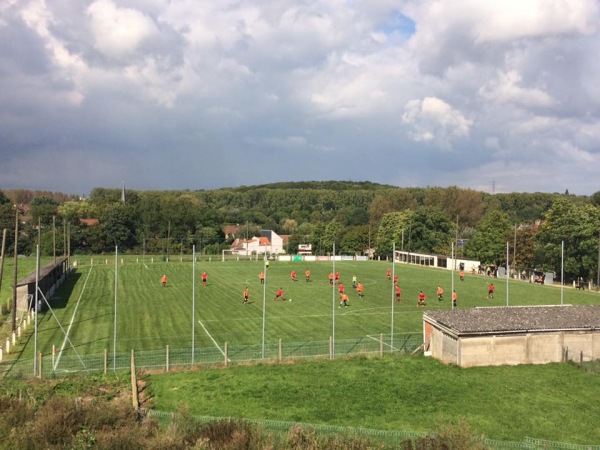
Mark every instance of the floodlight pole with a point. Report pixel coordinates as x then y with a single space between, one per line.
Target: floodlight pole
507 266
2 257
193 301
393 289
264 316
598 275
53 239
35 311
115 314
562 271
452 276
333 304
16 256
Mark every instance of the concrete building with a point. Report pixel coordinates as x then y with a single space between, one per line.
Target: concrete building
492 336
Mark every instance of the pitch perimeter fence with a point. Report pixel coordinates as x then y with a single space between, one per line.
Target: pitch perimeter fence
167 359
394 439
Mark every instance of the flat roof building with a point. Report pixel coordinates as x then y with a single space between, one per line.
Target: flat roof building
512 335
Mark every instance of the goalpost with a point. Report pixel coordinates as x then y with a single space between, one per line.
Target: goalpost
235 255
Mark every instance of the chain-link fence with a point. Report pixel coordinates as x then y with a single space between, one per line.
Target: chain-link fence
167 358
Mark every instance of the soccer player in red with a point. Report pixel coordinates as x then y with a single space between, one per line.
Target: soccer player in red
388 274
341 289
421 301
398 294
246 295
279 295
204 279
491 289
293 275
395 279
454 298
163 280
307 275
261 277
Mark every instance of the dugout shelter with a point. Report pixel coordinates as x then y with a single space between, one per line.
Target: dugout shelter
493 336
51 277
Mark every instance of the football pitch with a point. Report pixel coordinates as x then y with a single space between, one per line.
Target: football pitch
184 313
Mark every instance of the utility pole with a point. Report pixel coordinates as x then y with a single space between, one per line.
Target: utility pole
14 302
598 276
2 256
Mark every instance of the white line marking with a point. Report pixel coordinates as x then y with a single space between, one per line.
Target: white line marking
146 266
62 347
211 338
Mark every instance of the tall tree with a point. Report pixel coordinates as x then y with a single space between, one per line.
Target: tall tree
578 226
489 243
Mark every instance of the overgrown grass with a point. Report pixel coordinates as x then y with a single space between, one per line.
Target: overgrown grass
395 393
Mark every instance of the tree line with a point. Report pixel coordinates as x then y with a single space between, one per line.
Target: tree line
355 216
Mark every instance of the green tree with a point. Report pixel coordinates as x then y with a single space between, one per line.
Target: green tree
430 231
391 229
595 199
42 209
332 235
355 240
118 225
578 226
489 243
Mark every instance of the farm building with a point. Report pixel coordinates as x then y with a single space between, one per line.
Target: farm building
492 336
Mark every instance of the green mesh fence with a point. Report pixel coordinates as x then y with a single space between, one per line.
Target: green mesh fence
395 439
167 358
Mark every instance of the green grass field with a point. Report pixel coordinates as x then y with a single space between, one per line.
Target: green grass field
508 403
150 316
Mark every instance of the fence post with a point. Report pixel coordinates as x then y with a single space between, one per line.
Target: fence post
105 361
225 354
39 365
134 391
279 350
0 353
381 344
19 331
14 338
330 347
7 346
167 359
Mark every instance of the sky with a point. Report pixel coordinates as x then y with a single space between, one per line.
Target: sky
497 96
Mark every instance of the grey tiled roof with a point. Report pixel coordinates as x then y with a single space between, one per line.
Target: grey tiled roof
513 319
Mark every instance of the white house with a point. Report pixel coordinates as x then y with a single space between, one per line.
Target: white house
268 240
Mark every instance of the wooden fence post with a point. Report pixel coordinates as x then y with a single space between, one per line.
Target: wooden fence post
280 351
134 391
39 356
167 362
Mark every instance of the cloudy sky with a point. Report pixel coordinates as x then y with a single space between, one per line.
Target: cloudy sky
203 94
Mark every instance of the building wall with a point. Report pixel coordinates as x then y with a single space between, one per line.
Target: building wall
443 347
512 349
526 348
